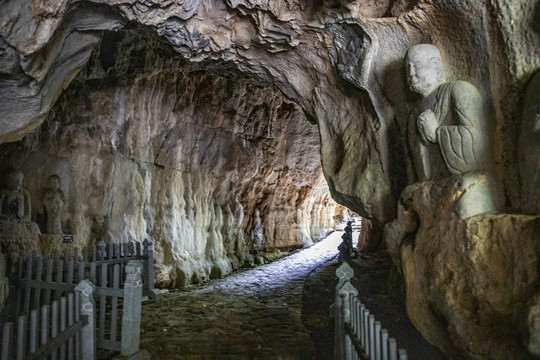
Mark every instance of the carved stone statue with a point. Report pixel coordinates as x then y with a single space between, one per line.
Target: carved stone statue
449 136
529 148
15 202
53 202
448 131
17 233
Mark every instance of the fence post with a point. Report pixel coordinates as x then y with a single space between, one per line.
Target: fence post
131 314
88 332
102 251
344 273
346 291
148 271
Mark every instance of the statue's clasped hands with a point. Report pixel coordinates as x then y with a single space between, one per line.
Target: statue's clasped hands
427 125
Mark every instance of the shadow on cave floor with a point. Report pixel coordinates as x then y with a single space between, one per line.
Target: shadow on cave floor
380 289
275 311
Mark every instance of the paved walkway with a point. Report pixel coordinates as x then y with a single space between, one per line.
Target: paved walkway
253 314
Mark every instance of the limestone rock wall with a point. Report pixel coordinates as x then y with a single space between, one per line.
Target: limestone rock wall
470 282
218 172
342 62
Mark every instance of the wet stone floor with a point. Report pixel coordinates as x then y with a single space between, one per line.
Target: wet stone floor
252 314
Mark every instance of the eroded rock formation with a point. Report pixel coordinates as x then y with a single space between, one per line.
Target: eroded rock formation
342 63
218 172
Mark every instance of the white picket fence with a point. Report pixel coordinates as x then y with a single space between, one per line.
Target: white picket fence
62 330
357 334
44 319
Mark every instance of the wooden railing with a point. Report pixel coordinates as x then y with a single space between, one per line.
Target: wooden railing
62 330
357 334
41 279
117 271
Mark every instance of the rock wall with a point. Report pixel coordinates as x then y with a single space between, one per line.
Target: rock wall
218 172
470 282
343 63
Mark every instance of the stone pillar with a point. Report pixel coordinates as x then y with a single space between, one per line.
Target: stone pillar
346 291
131 314
344 273
85 289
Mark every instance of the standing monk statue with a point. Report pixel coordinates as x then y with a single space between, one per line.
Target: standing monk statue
448 131
53 202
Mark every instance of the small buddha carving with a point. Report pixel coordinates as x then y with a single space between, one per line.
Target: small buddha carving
53 202
15 204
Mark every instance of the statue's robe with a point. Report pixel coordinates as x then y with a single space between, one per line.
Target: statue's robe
462 140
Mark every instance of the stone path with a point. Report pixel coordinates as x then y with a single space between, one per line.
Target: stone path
254 314
263 313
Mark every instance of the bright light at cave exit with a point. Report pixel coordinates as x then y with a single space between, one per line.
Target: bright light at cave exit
330 244
277 274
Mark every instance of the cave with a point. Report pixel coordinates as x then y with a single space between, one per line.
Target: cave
232 133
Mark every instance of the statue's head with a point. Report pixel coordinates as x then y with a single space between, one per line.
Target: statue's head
14 179
424 68
53 182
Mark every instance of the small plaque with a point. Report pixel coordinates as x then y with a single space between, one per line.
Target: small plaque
68 239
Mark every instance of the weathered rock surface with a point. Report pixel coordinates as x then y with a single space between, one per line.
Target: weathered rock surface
217 172
307 50
369 237
342 62
470 281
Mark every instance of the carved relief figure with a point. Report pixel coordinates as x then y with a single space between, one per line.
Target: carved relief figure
53 202
15 202
257 232
448 131
529 151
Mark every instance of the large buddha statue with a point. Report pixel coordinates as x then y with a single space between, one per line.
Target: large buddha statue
449 135
448 132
